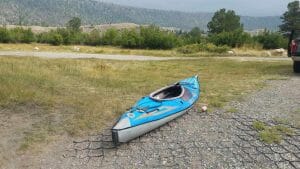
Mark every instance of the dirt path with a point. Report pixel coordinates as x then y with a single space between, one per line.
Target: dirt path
197 140
126 57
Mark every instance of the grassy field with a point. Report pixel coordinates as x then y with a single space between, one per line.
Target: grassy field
244 51
82 95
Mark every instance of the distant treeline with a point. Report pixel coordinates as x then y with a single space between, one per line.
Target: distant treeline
149 37
58 12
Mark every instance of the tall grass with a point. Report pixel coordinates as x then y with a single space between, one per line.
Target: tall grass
81 96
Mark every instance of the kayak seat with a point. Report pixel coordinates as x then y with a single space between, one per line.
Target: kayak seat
187 95
168 93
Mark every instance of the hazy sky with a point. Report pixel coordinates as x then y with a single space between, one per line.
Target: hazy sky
242 7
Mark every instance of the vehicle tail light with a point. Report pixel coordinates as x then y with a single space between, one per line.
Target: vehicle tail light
294 47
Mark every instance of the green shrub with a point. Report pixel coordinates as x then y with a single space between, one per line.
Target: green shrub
155 38
131 39
20 35
93 38
4 35
78 38
72 37
62 36
233 39
271 40
192 37
66 35
57 39
110 37
52 37
203 47
28 36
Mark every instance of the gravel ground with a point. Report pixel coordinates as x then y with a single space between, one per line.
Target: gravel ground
126 57
199 140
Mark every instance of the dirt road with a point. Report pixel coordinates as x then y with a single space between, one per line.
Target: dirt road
126 57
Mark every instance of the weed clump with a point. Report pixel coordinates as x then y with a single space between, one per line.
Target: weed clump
271 134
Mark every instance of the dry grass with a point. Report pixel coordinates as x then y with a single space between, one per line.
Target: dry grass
86 49
243 51
81 95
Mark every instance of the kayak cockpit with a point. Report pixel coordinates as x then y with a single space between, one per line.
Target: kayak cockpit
168 93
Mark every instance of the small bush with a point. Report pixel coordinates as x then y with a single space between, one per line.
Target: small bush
271 40
155 38
203 47
28 36
57 39
20 35
110 37
63 36
94 38
66 35
259 125
78 38
131 39
52 37
270 136
192 37
233 39
4 35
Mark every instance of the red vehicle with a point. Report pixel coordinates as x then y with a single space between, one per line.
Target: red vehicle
294 49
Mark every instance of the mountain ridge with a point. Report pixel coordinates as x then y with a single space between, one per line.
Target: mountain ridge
58 12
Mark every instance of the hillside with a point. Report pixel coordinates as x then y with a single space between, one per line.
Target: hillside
58 12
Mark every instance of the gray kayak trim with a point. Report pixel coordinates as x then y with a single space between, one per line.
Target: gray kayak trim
125 135
115 137
157 119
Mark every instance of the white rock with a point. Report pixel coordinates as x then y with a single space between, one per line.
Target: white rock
230 52
76 49
281 50
204 108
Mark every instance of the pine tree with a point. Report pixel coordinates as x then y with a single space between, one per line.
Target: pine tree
291 18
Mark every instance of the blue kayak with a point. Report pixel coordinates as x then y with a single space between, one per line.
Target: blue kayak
157 109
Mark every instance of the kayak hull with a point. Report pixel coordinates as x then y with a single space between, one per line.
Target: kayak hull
157 109
125 135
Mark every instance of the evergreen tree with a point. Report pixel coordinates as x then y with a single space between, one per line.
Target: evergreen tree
291 18
74 24
224 21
